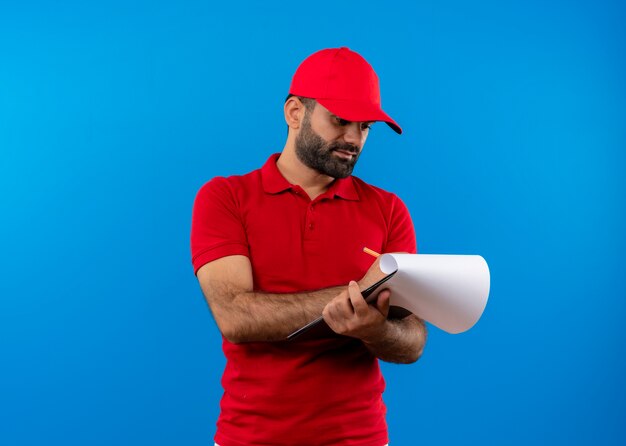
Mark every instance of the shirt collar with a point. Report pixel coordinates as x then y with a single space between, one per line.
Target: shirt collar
274 182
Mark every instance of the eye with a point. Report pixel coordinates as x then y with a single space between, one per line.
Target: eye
341 122
366 125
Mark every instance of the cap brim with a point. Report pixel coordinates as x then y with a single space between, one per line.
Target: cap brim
359 112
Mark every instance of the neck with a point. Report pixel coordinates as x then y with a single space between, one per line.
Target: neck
294 171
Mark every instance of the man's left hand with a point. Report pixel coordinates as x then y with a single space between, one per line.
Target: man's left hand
348 314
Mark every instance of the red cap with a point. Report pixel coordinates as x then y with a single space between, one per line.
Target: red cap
343 82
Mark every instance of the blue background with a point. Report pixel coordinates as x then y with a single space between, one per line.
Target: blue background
112 115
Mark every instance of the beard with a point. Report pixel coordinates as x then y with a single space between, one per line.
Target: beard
314 152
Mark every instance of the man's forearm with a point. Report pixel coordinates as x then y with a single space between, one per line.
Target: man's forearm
401 340
260 317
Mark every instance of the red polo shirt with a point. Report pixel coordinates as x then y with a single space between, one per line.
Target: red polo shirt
315 392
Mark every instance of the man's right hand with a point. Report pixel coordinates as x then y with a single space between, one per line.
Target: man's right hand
373 275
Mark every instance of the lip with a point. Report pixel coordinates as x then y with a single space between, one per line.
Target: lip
345 154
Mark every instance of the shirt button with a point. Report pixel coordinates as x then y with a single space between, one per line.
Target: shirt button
311 226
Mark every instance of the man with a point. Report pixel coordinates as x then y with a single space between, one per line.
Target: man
275 248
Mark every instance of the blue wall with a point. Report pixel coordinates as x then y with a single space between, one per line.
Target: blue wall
112 115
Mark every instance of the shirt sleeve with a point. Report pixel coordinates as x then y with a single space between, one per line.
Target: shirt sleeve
217 229
401 236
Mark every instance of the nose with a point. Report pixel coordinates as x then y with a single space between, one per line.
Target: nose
354 134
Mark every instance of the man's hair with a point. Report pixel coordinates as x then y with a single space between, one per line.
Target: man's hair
309 103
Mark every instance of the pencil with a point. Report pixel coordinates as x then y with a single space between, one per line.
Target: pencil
370 252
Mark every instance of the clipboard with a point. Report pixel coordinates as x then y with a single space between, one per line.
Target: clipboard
368 295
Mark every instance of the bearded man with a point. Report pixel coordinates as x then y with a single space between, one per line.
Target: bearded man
279 246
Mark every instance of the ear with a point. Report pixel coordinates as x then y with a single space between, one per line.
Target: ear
294 112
